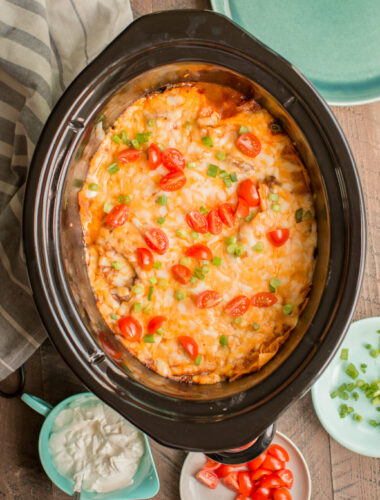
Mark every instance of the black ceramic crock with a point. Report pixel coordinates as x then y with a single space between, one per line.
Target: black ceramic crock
156 50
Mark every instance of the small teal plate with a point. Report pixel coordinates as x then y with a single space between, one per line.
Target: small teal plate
335 44
359 437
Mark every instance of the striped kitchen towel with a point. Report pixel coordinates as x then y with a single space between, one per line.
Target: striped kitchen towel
43 46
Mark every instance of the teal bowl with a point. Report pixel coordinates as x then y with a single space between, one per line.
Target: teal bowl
145 482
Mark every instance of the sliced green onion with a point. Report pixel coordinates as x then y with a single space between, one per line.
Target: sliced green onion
113 168
203 210
162 283
135 143
344 354
276 207
113 316
223 174
344 395
78 183
191 164
308 214
350 409
357 417
231 248
137 289
212 170
363 365
124 138
374 353
93 187
238 320
150 293
273 284
152 280
124 198
198 360
151 123
179 295
259 247
368 346
147 309
149 339
205 269
137 307
229 240
227 181
161 147
351 386
342 387
185 261
276 128
116 265
355 395
243 130
255 326
194 235
299 215
273 196
334 394
162 200
234 177
207 141
373 422
198 274
116 138
376 400
107 207
193 279
239 250
181 233
143 137
352 371
287 308
160 331
223 340
220 155
157 265
217 261
161 220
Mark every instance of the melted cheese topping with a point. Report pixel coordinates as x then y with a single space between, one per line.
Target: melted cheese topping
179 118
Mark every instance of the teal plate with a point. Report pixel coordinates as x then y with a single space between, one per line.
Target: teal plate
336 45
359 437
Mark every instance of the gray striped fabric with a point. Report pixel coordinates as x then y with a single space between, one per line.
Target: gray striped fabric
43 46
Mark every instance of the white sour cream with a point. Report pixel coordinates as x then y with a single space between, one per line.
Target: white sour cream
91 437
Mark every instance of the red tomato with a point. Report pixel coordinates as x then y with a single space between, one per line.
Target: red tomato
157 240
215 224
173 159
154 155
259 473
130 328
242 208
181 273
261 494
278 237
237 306
279 452
173 181
225 470
145 258
211 464
199 251
208 478
190 345
156 323
226 213
241 497
197 221
271 481
286 477
231 481
248 144
264 299
245 483
128 155
109 348
273 463
247 190
208 299
257 462
281 494
118 215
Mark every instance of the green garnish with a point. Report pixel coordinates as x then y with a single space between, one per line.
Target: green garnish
198 360
124 198
368 346
160 331
199 274
273 196
243 130
113 316
342 387
217 261
113 168
162 200
259 247
124 138
147 309
116 265
355 395
181 233
203 210
93 187
150 293
151 123
334 394
239 250
373 422
157 265
374 353
249 217
227 181
308 214
152 280
299 215
351 386
116 138
221 155
276 128
233 177
149 339
99 118
185 261
141 138
287 308
276 207
162 283
344 395
161 220
212 170
223 340
255 326
161 147
223 174
137 307
135 143
238 320
193 279
207 141
205 269
231 248
107 207
191 164
352 371
344 354
229 240
273 284
137 289
179 295
357 417
194 235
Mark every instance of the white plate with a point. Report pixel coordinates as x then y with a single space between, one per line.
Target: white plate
191 489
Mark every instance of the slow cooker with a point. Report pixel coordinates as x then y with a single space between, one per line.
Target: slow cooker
156 50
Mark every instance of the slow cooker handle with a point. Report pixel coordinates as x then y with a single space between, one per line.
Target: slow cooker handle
246 454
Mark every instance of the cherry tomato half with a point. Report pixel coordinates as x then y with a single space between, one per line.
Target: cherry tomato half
264 299
145 258
211 464
190 345
248 144
248 191
118 215
108 347
237 306
271 481
226 213
208 299
242 208
231 481
197 221
257 462
157 240
259 473
199 251
156 323
130 328
215 224
225 470
181 273
208 478
286 477
261 494
154 156
241 497
245 483
128 155
273 463
173 159
173 181
279 452
278 237
281 494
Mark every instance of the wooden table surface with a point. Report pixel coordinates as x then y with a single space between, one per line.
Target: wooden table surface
336 472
